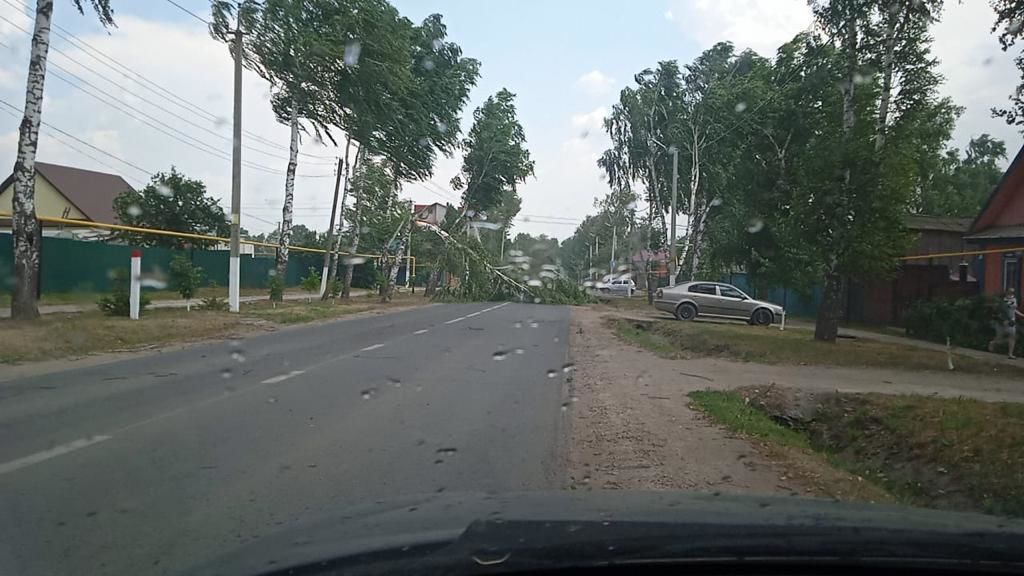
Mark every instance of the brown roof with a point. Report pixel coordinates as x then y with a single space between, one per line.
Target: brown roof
997 232
940 223
91 192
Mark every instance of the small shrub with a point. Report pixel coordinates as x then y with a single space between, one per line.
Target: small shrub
214 302
335 288
118 303
968 322
311 281
185 277
276 288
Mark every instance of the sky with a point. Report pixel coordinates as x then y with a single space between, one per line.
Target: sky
155 91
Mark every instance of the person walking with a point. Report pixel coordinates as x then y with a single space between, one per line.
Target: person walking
1006 323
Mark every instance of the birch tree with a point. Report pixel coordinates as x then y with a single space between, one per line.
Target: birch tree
25 230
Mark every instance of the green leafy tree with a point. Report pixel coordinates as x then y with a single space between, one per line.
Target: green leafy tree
311 281
25 230
495 162
1008 27
171 201
185 279
963 182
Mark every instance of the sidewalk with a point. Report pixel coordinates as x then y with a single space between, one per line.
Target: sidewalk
75 308
894 339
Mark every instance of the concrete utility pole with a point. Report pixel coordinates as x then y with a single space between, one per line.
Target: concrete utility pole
408 242
236 177
330 229
611 261
673 258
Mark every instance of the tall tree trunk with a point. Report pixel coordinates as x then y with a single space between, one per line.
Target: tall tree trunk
329 245
826 326
394 259
692 208
289 193
652 199
336 250
435 274
346 288
881 122
25 227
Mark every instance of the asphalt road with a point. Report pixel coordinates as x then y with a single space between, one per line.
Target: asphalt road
150 465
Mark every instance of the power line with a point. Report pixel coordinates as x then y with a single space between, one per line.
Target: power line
79 140
108 95
145 82
189 12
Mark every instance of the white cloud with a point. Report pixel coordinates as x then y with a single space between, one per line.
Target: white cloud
590 122
756 24
198 70
978 74
595 83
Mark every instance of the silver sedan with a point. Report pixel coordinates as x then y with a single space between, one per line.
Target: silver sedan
692 299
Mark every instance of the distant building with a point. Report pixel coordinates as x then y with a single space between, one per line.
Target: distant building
431 213
67 192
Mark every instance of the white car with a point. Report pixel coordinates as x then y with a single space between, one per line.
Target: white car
619 287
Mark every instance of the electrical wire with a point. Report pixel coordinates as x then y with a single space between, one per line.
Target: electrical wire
145 82
189 12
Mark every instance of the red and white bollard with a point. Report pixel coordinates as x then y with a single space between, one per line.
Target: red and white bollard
136 285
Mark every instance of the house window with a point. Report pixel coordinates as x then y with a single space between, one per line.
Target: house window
1011 272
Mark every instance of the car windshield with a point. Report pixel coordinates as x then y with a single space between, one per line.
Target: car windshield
296 279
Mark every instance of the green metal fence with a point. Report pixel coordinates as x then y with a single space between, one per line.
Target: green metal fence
79 266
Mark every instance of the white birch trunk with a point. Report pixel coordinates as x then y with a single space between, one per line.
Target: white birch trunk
882 121
693 209
289 193
25 227
346 288
334 234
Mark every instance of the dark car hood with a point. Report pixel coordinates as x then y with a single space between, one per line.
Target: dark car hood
471 532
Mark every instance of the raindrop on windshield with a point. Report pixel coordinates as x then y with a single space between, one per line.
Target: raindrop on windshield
552 373
395 382
533 282
368 393
272 400
437 44
519 351
134 210
164 190
859 78
352 50
237 356
755 225
518 324
533 323
447 451
568 367
741 106
565 406
500 355
428 63
225 373
442 127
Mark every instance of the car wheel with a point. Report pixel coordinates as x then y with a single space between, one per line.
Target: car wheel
686 311
762 317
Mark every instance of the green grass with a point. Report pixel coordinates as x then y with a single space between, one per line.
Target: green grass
729 409
769 345
948 453
71 335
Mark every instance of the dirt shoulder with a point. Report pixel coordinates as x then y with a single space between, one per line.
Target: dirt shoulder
632 426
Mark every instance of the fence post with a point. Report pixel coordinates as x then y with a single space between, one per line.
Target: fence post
135 285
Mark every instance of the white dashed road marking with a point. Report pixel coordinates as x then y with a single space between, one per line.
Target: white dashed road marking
282 377
454 320
418 332
51 453
372 347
